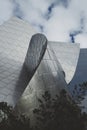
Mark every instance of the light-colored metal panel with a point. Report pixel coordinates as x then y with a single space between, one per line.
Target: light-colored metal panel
15 36
53 65
67 54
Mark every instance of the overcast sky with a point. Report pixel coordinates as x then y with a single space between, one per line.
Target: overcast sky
59 20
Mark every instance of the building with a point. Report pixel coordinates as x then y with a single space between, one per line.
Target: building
30 64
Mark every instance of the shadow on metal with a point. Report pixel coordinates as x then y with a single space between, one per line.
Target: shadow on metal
35 53
49 76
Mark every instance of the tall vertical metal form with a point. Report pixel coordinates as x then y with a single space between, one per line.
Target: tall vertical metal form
45 71
35 53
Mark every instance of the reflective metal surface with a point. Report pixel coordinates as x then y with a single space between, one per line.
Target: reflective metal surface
67 54
14 41
49 76
35 53
43 65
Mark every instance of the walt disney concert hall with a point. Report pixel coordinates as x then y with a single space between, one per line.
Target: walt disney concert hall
30 65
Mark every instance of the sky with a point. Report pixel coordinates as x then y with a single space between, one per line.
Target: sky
59 20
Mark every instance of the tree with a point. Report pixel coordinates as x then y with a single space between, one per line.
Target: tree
10 121
79 92
60 113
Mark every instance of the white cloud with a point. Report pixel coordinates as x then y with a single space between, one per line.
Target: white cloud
82 39
33 10
61 22
6 10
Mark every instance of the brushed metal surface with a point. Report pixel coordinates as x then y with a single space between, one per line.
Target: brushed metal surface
50 61
49 76
67 54
15 36
35 52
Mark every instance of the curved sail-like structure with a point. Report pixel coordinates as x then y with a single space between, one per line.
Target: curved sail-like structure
49 76
67 54
30 64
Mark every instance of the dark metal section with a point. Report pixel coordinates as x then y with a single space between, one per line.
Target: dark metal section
81 70
49 76
16 70
35 53
80 77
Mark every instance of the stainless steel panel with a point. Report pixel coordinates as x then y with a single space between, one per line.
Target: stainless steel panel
43 65
67 54
49 76
14 42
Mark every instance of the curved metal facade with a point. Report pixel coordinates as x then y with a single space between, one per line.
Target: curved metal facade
67 54
32 65
49 76
14 42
